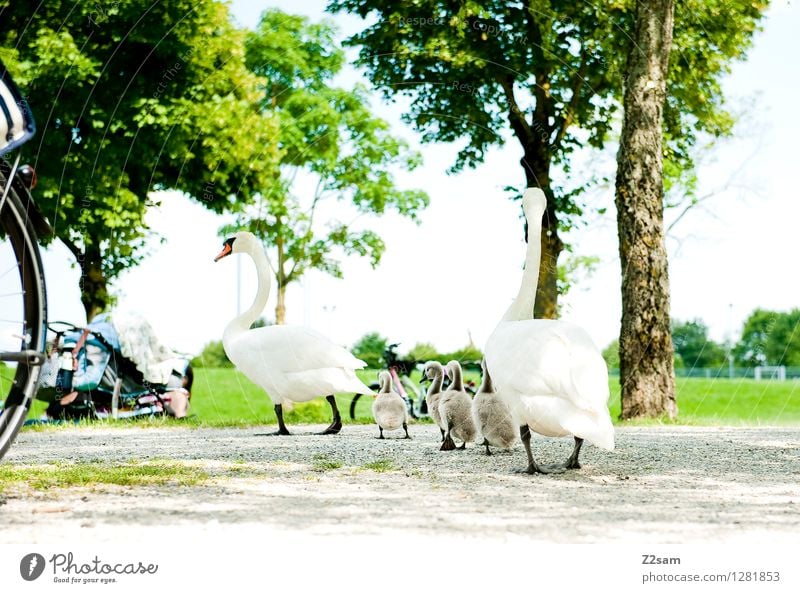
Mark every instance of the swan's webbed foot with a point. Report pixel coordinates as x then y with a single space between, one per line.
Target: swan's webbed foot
336 425
278 433
334 428
447 444
572 462
282 430
486 444
535 468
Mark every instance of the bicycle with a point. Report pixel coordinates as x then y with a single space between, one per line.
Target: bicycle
23 302
400 371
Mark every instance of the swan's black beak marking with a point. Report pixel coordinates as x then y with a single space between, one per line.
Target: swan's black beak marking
227 248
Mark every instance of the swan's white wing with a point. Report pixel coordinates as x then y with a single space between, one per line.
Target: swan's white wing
295 363
548 358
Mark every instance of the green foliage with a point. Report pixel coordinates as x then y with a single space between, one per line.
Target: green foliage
133 97
369 348
326 133
468 354
212 356
694 347
424 351
611 354
770 338
552 71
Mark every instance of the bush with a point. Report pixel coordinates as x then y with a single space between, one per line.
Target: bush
370 349
212 356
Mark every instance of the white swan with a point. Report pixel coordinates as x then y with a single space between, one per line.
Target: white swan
290 363
389 409
550 373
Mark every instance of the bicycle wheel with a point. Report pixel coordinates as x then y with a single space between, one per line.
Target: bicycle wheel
23 313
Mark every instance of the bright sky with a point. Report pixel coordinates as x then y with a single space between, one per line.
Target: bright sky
457 271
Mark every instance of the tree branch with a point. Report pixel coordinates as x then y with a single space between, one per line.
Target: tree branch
518 123
74 249
569 112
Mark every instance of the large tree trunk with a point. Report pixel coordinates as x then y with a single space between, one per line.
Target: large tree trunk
645 345
537 174
93 283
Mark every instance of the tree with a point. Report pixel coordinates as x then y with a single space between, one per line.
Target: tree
424 351
550 72
134 97
770 338
329 134
647 374
694 347
369 348
611 354
213 356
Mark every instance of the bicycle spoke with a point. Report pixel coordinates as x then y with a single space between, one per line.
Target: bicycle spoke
9 270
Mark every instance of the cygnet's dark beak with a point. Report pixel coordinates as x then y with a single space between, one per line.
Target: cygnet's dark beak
526 231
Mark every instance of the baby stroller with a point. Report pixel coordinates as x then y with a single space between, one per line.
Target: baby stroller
87 376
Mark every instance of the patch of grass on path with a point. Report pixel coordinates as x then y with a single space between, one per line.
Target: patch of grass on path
379 465
323 463
65 475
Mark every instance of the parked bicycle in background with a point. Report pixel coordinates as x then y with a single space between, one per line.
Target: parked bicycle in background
23 304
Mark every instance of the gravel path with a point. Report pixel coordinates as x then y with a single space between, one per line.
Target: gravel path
666 485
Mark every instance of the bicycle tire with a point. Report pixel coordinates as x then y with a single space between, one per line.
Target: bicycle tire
16 228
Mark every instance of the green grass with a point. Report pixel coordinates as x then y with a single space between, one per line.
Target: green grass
224 397
709 402
64 475
379 465
323 463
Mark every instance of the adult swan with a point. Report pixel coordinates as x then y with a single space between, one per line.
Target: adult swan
549 372
290 363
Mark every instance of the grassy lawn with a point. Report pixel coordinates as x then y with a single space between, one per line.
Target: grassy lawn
224 397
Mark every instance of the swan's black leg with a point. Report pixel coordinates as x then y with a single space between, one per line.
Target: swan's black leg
486 444
381 429
463 445
442 431
336 424
572 462
447 443
405 427
282 430
533 467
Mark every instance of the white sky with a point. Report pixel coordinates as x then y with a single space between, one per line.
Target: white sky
457 271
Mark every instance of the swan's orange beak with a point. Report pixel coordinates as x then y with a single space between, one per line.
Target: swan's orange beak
226 250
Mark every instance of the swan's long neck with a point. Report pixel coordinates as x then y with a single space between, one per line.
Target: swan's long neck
486 385
457 384
243 322
386 384
436 384
522 307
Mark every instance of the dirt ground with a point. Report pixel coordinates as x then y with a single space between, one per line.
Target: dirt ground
661 485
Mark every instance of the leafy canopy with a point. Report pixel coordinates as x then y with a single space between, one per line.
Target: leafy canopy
550 69
328 134
133 97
